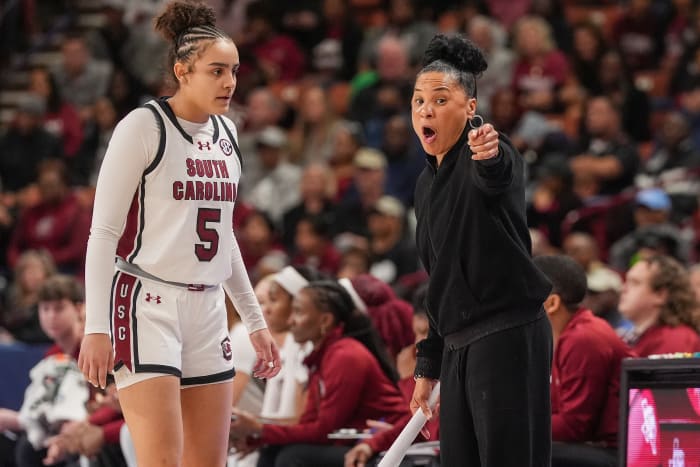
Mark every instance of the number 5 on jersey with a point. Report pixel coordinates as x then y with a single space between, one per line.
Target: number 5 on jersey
209 236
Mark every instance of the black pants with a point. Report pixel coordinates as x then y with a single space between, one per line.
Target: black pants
582 455
303 455
495 406
7 451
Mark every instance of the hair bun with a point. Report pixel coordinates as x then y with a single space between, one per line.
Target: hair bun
456 50
179 16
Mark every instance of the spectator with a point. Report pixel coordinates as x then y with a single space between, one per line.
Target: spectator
618 84
125 93
59 223
386 96
316 194
86 166
278 190
258 238
552 198
335 55
20 317
368 187
585 371
313 245
58 392
324 314
674 149
603 297
405 160
608 160
267 55
263 109
61 118
528 129
540 69
659 301
81 79
349 138
490 36
391 246
604 284
403 24
283 399
653 231
25 144
355 260
589 46
640 34
311 138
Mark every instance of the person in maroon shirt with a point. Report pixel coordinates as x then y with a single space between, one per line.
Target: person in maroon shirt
585 370
659 301
541 69
313 244
58 223
351 380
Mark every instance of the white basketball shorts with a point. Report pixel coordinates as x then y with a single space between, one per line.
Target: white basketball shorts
163 329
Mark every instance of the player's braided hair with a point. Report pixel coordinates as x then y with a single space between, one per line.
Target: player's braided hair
189 26
330 296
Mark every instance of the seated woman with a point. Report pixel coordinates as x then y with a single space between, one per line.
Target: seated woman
351 380
282 401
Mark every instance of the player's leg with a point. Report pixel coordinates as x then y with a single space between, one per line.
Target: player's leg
207 374
147 357
206 416
152 411
508 383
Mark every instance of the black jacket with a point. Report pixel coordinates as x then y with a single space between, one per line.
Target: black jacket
473 240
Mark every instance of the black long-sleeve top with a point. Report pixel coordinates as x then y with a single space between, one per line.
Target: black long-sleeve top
473 240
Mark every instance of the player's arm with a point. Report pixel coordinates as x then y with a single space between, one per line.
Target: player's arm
133 145
240 290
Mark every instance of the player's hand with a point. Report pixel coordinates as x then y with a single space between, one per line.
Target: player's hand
243 424
483 142
269 363
358 456
421 395
96 359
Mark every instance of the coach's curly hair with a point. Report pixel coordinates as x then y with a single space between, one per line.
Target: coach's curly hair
681 306
330 296
455 55
188 26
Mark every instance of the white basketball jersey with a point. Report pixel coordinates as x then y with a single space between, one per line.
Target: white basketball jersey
179 227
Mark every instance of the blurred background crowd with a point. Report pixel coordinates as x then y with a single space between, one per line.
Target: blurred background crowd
602 98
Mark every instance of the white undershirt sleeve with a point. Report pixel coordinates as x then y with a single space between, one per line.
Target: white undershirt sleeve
240 290
132 147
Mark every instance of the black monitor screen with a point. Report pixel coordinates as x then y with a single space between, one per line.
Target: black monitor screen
661 413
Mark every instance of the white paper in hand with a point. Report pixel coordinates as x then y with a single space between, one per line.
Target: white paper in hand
397 451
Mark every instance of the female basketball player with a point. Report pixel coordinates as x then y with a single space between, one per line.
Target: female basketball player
164 204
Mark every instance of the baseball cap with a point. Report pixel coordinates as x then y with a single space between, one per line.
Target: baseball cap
389 206
654 198
369 158
272 136
602 279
